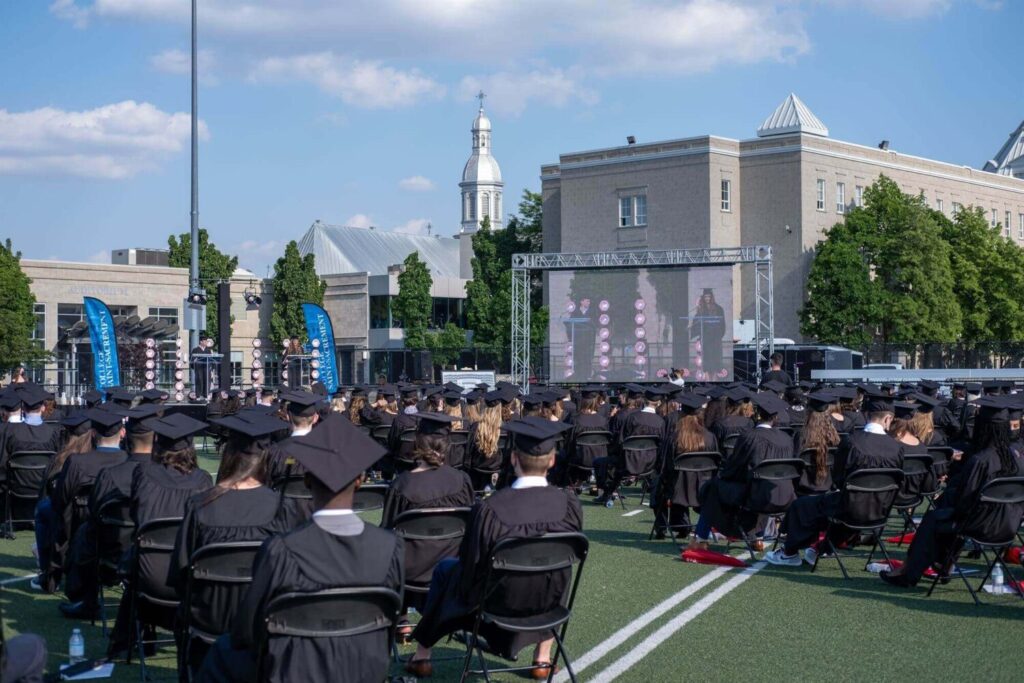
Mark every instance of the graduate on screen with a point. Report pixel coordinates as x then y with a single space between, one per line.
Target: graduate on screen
708 328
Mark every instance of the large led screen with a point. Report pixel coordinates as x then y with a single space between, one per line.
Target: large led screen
635 325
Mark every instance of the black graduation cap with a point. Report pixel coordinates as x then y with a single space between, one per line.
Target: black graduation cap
878 402
671 389
868 388
122 396
359 390
533 400
716 393
991 386
139 414
509 393
634 389
926 403
409 390
738 395
432 391
474 396
654 393
973 387
483 386
92 397
252 427
335 453
452 386
535 435
904 408
31 395
387 391
993 408
77 424
774 385
105 422
251 392
819 401
592 391
434 423
770 404
691 403
929 386
493 398
154 396
708 290
301 403
452 397
9 399
850 393
174 432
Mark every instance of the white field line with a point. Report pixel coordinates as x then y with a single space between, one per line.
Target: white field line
16 579
631 629
647 645
633 512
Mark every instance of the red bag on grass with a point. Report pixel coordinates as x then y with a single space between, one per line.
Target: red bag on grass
696 556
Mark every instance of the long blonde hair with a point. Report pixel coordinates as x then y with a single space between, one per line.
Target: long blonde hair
358 403
454 411
474 412
819 434
690 434
488 430
922 426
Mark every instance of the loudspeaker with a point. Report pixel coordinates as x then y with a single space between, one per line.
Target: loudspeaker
224 333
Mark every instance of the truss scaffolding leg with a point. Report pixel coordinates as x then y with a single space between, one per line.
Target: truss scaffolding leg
521 328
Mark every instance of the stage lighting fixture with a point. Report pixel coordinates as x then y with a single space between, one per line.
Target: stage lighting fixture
883 145
197 298
631 139
252 298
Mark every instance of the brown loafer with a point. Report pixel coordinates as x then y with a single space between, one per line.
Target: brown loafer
403 634
541 671
420 668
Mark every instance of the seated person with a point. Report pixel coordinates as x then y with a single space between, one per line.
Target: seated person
611 470
687 435
241 507
870 448
483 453
528 508
585 419
723 498
934 545
738 418
334 549
816 438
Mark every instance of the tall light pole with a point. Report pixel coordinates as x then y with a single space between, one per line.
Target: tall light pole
193 271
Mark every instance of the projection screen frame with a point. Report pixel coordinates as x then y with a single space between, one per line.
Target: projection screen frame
522 265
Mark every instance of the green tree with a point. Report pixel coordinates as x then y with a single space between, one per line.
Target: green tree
446 344
413 305
17 316
295 283
214 266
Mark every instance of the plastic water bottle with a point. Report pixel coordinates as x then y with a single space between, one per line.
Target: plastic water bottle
997 578
76 646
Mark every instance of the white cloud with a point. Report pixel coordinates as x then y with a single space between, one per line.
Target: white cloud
416 183
416 226
179 62
114 141
254 248
898 9
359 220
69 11
510 92
361 83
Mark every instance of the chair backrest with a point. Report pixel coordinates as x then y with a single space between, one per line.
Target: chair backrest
997 514
154 544
729 443
26 475
503 441
941 457
430 535
330 613
868 496
641 453
369 497
697 462
773 485
380 433
780 469
809 455
457 441
917 476
589 447
532 574
224 569
293 486
458 437
407 436
114 532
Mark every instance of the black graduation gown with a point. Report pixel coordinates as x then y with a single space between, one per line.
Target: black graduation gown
481 465
508 513
402 422
309 559
280 465
234 516
583 423
21 436
797 415
721 498
844 426
809 482
442 487
640 423
683 491
934 537
160 492
729 425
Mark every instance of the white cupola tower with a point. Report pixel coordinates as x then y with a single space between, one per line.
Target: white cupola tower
481 184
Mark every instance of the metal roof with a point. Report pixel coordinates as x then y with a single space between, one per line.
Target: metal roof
340 249
1010 158
792 116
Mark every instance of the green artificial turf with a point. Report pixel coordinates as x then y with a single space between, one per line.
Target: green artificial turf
781 622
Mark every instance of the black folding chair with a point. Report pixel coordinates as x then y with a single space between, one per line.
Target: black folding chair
917 472
293 486
698 467
458 439
773 485
225 568
329 613
589 447
728 444
26 471
640 454
369 497
380 434
114 534
866 501
942 456
1003 494
515 567
809 455
153 602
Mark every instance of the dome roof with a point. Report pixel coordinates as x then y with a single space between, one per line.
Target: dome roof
481 168
481 122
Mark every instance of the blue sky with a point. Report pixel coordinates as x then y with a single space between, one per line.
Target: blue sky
338 111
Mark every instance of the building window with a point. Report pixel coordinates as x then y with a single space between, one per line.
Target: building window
485 205
236 369
472 206
465 206
39 331
938 205
625 212
497 205
726 195
1007 225
641 209
168 314
271 367
1020 226
859 195
840 197
956 208
821 194
992 221
68 315
380 312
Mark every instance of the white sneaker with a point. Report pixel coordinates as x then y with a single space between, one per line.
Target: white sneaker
779 557
35 584
810 555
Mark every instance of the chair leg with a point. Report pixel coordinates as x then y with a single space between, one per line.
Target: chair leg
839 559
560 651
